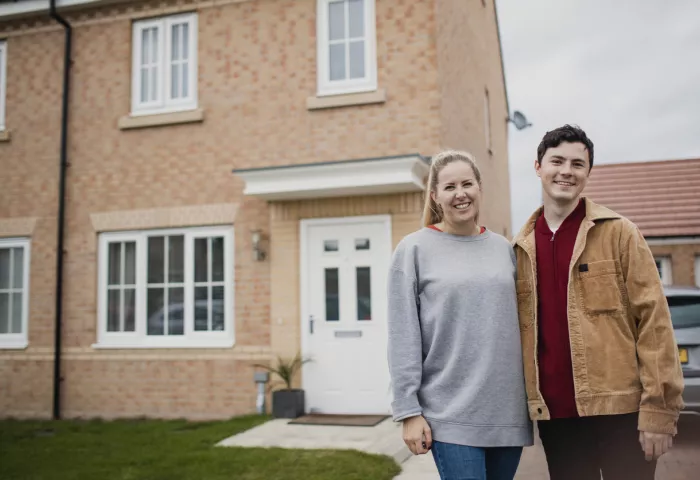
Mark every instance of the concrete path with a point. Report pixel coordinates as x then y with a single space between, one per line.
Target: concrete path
382 439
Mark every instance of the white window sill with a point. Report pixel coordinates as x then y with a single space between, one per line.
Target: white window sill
4 135
13 345
346 100
132 121
193 343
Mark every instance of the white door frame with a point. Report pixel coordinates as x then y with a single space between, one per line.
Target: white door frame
303 266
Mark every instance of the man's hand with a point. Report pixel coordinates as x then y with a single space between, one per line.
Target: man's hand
654 444
417 435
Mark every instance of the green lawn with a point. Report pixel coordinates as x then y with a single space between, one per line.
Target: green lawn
166 450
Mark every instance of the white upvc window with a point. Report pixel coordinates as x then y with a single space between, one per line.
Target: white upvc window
164 70
663 265
3 74
347 58
14 293
166 289
697 270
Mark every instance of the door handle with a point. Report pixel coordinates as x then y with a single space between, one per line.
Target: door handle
311 324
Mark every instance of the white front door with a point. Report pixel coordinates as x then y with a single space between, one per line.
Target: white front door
344 315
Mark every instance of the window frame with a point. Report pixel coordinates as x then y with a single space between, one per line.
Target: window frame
191 338
3 82
697 270
163 102
19 340
666 269
327 87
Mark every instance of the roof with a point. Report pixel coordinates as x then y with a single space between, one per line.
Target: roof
662 198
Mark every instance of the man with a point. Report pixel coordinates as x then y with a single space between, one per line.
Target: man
599 352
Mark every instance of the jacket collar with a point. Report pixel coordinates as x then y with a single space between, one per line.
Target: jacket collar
594 213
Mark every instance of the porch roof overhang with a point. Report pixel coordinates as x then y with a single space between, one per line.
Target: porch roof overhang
370 176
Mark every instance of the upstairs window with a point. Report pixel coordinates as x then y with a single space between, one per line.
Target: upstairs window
164 65
347 59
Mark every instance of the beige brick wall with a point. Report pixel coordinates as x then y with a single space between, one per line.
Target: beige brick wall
468 64
682 261
257 67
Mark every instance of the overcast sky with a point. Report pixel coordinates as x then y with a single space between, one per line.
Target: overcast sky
626 71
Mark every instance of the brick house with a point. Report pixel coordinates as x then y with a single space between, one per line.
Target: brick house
663 199
239 172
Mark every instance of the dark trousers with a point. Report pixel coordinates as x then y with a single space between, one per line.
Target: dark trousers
582 448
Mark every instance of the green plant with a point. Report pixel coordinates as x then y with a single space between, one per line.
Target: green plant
286 370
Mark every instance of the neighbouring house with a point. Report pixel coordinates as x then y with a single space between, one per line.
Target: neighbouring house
238 173
663 199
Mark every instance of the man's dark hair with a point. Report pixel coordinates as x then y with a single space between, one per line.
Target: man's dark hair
567 133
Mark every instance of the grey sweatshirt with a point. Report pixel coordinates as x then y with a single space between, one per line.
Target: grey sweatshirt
454 341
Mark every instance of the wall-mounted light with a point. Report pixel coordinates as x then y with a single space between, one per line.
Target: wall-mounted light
258 253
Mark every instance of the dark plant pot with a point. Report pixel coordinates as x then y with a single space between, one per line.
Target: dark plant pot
288 403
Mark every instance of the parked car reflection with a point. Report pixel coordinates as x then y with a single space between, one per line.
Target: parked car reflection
156 322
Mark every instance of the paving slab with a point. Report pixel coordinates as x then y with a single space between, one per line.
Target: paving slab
383 438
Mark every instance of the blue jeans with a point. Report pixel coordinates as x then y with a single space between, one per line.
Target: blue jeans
459 462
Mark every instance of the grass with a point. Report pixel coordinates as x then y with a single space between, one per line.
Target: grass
166 450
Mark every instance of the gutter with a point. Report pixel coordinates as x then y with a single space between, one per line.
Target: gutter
61 210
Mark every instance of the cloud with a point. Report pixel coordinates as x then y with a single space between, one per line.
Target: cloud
625 71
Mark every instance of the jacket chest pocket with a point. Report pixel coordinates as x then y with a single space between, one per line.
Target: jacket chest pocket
600 287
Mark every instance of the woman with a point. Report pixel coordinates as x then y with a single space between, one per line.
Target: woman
454 342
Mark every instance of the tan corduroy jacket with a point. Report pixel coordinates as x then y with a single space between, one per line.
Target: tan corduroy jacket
623 349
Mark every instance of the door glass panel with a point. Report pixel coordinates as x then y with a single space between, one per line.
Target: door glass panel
364 294
362 244
330 245
332 299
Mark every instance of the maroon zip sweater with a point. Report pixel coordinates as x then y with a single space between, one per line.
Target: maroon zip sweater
554 253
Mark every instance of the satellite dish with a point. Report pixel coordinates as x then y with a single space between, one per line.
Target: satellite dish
519 120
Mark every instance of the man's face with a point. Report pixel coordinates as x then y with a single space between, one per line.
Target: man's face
564 171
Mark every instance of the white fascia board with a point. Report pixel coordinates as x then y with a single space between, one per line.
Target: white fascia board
368 177
29 7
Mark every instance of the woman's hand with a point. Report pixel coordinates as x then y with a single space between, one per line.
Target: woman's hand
417 435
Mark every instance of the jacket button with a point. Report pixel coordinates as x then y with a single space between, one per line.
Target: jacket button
539 410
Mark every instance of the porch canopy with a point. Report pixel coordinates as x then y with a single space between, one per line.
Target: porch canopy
370 176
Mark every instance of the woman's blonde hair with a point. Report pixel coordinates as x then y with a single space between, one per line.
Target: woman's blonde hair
432 213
